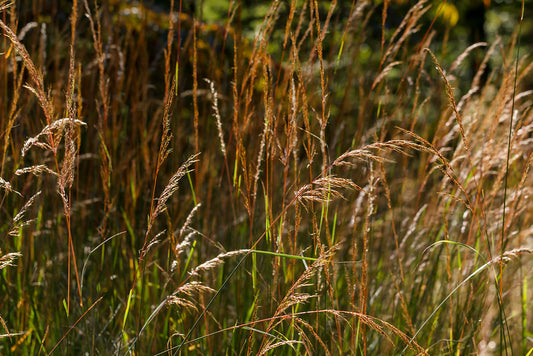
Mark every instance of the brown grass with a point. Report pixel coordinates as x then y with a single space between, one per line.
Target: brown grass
327 178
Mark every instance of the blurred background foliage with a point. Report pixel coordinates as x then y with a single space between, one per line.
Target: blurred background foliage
462 22
454 25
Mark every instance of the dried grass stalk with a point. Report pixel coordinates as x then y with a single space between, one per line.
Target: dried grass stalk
35 170
17 220
35 74
7 186
9 259
324 189
217 115
463 55
53 130
217 261
365 152
269 347
171 188
507 256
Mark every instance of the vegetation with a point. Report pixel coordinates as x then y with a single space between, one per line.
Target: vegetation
310 178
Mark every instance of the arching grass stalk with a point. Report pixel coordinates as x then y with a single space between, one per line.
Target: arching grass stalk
373 322
165 301
321 188
502 259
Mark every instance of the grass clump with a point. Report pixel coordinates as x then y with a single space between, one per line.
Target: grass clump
326 178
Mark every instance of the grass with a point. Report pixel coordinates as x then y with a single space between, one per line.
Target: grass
323 183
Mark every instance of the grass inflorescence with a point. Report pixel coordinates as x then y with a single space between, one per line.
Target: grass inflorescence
295 177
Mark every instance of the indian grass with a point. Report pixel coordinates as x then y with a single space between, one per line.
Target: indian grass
349 196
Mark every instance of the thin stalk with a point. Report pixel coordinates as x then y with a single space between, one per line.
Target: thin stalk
504 326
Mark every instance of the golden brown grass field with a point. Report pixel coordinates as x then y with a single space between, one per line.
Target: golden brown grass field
236 177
